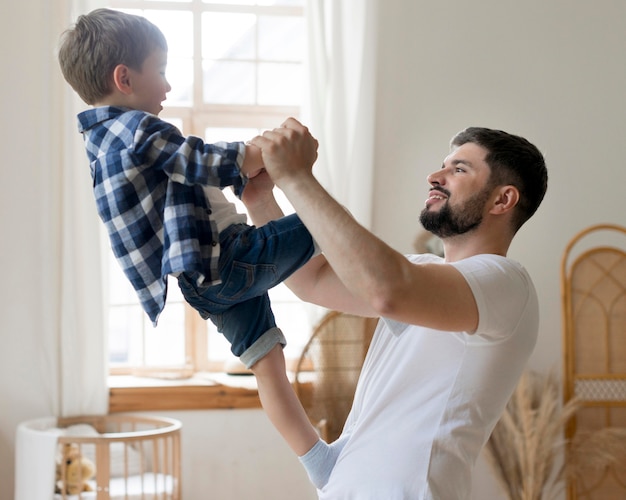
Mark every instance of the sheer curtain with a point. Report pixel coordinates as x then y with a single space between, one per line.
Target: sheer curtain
342 67
66 329
75 336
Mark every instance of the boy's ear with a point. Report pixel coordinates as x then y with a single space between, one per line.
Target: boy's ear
506 199
121 79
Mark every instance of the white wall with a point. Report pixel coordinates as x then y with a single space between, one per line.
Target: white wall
236 455
551 71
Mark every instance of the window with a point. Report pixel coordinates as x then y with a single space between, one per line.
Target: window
236 68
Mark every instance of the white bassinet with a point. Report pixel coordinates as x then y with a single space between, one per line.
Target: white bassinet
135 457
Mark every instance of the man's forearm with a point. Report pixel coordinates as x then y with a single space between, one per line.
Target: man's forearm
367 267
364 269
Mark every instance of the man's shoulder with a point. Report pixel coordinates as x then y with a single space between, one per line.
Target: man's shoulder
473 263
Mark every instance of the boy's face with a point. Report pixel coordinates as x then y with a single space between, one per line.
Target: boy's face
150 85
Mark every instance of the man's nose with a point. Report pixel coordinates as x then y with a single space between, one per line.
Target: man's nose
436 178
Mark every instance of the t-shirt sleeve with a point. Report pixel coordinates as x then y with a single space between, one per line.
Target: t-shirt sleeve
503 292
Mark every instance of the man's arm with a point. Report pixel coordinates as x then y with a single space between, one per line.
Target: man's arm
315 282
432 295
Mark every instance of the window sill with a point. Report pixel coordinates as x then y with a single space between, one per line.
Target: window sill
201 392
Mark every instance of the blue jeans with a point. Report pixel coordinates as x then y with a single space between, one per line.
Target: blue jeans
252 260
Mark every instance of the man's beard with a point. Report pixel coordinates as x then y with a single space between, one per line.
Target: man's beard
449 222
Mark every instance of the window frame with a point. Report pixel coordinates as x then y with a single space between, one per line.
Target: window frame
195 119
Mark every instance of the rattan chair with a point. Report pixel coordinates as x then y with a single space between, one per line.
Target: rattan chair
329 367
593 284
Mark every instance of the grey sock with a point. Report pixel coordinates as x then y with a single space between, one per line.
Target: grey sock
320 460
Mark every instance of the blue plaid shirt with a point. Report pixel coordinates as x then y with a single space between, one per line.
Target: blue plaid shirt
147 181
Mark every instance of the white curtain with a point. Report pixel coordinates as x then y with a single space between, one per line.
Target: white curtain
342 77
74 342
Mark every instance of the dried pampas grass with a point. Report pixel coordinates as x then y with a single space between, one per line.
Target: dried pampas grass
524 444
594 450
528 438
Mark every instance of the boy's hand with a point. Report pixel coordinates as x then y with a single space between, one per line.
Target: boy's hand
288 151
253 161
258 190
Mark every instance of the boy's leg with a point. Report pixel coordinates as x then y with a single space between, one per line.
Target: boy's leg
252 260
252 331
289 418
281 403
249 326
269 254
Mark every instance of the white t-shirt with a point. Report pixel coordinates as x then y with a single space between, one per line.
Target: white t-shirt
427 400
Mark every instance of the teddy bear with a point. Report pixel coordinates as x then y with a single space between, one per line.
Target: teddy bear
73 471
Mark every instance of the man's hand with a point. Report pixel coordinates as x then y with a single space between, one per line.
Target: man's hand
288 151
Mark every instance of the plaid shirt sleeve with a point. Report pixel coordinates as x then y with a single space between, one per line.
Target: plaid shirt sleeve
189 160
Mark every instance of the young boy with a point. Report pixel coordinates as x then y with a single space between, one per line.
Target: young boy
159 196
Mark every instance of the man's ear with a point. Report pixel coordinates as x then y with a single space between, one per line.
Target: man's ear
507 197
122 79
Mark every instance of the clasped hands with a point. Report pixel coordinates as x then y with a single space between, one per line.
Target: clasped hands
288 151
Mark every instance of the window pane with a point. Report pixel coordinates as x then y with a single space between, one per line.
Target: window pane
124 347
213 134
292 318
280 84
165 345
229 82
177 26
120 290
281 38
218 348
180 77
133 341
228 36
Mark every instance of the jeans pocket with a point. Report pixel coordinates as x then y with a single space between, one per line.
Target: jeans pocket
247 280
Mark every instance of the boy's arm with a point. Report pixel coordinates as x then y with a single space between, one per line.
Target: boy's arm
252 162
190 160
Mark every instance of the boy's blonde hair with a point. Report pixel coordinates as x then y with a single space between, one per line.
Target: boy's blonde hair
98 42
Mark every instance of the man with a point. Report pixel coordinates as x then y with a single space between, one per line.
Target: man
455 334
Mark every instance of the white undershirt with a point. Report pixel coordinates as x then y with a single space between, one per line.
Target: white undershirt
223 212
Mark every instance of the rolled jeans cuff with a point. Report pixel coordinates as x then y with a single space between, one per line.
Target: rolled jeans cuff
263 345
